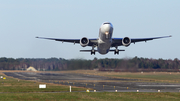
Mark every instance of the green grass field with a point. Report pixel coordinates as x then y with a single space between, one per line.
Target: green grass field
83 96
161 77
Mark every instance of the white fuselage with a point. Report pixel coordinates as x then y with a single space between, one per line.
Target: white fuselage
105 38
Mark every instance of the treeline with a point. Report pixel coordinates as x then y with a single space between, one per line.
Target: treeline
54 64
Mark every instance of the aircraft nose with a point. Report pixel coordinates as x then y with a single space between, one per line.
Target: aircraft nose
107 27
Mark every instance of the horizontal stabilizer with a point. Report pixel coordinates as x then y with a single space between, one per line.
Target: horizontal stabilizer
115 50
87 50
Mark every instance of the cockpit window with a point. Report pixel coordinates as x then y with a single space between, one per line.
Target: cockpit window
106 23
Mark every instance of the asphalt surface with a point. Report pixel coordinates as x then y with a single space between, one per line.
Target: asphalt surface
98 83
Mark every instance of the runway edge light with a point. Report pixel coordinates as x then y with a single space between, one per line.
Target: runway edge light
87 90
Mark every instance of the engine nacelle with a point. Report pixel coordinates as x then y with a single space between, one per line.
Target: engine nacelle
126 41
84 42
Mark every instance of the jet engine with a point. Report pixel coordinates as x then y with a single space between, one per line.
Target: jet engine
126 41
84 42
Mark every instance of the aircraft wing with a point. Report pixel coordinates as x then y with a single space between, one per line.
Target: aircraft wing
92 42
146 39
118 41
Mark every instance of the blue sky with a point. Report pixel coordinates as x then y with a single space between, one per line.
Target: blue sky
21 21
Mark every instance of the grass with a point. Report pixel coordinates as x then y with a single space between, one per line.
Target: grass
14 85
151 76
82 96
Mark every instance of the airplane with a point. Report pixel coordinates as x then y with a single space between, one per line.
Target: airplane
105 41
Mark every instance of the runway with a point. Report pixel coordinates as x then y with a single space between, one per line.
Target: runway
98 83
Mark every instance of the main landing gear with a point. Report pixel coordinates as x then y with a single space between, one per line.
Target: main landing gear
116 51
92 51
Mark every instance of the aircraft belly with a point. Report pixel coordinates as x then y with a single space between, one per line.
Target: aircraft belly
103 48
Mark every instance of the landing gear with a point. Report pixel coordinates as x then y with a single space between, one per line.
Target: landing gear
116 51
93 51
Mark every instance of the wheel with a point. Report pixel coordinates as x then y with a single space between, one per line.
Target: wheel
116 51
92 52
